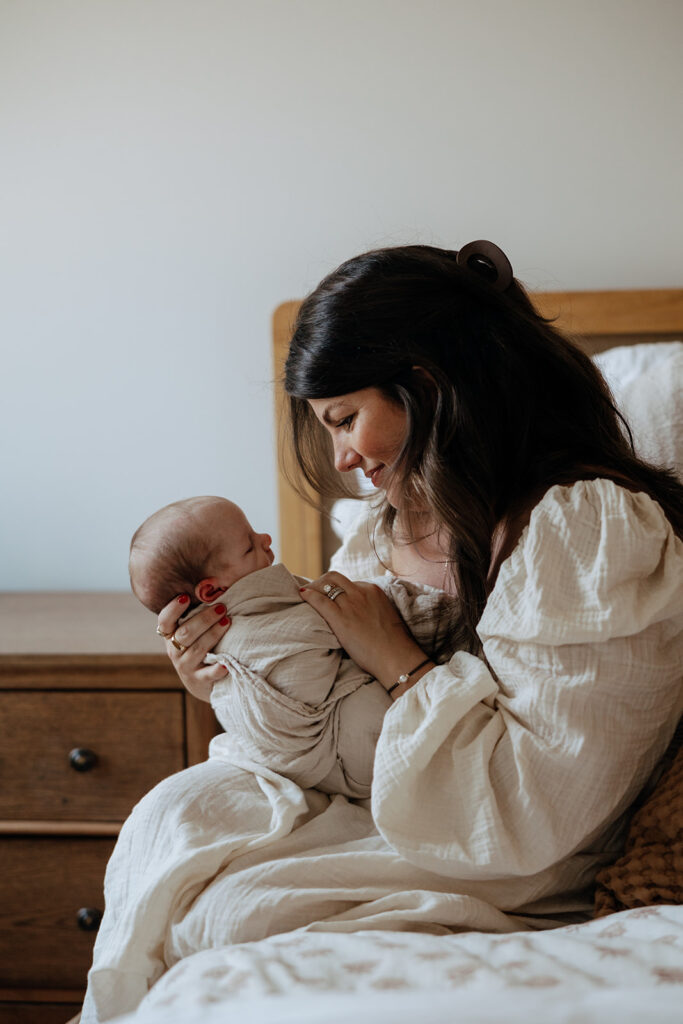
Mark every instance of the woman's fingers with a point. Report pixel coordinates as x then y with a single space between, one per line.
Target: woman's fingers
188 644
168 616
326 583
320 601
201 682
196 677
365 622
333 577
210 622
317 594
196 650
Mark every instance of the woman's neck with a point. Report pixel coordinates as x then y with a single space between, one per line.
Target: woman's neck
420 553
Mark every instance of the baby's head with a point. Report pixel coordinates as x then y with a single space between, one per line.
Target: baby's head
197 546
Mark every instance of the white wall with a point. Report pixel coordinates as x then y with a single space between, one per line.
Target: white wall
171 170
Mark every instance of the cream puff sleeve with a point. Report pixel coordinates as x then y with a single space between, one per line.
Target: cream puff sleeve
509 764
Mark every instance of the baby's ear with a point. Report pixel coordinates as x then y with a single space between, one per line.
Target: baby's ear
209 590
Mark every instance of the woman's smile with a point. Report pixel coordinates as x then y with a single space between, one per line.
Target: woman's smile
374 475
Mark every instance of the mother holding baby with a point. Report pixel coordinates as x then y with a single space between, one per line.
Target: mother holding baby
520 736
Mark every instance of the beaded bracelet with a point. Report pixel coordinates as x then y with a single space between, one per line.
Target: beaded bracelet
405 676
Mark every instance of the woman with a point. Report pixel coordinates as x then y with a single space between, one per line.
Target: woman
478 422
519 739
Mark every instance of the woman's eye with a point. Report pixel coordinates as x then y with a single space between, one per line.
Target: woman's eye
346 422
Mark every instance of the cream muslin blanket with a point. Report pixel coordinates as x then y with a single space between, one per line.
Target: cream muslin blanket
294 702
499 785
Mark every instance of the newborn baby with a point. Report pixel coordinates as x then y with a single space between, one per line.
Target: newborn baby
293 701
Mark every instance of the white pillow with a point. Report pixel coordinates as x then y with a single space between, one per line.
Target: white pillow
624 364
647 384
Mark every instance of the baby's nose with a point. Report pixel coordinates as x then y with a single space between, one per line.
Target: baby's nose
266 540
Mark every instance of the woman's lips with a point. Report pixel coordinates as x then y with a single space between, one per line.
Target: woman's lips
375 475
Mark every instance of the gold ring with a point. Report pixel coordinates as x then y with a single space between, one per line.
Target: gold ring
177 644
333 592
166 636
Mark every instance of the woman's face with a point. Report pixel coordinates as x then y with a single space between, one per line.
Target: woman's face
367 431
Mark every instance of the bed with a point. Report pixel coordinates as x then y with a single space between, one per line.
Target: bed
219 926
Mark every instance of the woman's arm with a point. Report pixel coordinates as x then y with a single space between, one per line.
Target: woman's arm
513 765
197 636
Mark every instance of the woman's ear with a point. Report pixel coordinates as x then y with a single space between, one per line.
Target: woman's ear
209 590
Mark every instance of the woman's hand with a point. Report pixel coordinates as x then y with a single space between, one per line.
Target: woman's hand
367 626
197 636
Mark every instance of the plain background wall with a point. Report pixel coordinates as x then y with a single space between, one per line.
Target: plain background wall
171 170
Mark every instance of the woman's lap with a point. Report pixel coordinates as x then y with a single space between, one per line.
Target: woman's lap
219 854
179 836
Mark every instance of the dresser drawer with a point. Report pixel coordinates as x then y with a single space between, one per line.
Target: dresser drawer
137 739
38 1013
44 882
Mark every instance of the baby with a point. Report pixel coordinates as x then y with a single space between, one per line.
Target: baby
293 701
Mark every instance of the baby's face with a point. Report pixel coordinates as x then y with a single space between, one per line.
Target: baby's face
239 549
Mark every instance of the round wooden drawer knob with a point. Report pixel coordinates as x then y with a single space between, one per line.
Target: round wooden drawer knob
82 760
89 918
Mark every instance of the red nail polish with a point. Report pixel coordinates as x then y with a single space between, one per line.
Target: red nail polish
219 609
301 589
225 621
183 599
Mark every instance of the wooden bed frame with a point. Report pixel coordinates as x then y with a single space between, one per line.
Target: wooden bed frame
598 319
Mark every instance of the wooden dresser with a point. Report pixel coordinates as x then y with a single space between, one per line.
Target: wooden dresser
91 717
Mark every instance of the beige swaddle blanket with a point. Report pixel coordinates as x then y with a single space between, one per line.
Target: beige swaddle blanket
294 702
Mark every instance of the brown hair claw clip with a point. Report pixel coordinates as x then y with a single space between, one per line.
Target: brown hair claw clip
487 260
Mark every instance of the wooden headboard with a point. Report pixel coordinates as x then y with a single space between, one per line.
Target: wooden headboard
598 320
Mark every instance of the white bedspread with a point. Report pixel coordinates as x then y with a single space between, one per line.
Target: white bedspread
625 968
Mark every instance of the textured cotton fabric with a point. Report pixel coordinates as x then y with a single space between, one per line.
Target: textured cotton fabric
293 701
625 970
499 788
520 764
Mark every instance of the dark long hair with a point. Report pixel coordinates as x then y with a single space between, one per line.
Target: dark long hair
507 408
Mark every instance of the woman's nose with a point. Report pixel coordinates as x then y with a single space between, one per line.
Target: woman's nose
345 458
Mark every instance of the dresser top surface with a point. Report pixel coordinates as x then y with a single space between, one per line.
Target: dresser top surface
62 623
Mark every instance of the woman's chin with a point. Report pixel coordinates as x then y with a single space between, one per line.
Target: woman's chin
387 487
